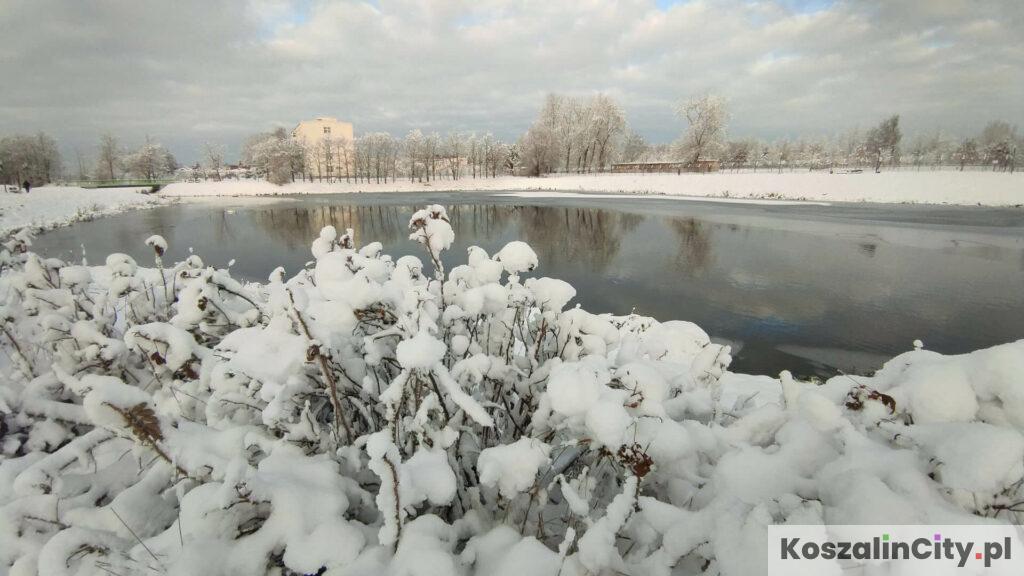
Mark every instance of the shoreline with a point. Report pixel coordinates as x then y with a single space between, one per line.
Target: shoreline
51 207
933 188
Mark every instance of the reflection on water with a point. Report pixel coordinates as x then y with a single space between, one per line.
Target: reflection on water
583 236
812 294
694 253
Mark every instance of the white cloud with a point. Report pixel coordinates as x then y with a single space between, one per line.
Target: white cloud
200 70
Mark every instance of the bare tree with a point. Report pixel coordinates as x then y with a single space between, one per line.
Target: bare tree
431 146
344 155
108 158
412 147
940 147
539 149
45 156
497 154
883 142
452 153
32 158
738 153
966 153
607 125
705 134
472 155
634 147
80 160
213 154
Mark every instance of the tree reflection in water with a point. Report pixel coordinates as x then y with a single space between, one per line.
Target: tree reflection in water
587 236
694 237
769 282
584 236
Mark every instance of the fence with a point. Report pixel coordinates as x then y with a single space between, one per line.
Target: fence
119 183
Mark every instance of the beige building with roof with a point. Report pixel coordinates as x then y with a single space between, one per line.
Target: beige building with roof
329 143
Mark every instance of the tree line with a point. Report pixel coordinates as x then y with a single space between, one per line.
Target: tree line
584 135
375 157
570 135
37 159
997 147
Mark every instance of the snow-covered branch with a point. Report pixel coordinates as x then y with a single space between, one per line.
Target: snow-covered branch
363 416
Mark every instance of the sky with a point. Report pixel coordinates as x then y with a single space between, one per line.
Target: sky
195 71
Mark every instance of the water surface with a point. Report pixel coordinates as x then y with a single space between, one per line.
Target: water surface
813 289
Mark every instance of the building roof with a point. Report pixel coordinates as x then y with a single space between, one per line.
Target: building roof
664 162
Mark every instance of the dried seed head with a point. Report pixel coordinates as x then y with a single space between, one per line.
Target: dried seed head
141 420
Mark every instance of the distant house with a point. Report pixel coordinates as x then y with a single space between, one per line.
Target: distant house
702 165
329 144
707 165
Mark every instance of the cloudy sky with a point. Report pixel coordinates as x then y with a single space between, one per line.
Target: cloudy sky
191 71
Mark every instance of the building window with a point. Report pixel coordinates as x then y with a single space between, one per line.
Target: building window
327 129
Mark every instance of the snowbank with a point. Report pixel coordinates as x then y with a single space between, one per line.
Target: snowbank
51 206
379 416
926 187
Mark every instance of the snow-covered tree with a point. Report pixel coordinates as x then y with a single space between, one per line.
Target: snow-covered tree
998 141
705 133
150 161
966 153
576 134
34 158
607 126
275 156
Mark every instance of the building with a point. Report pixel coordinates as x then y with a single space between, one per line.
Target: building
702 165
329 143
706 165
648 167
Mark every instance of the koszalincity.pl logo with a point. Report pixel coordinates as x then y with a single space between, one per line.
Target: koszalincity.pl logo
885 548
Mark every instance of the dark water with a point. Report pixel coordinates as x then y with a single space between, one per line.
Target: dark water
813 289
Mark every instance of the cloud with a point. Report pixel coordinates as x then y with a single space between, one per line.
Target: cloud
198 70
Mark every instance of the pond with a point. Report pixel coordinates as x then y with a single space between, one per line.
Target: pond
815 289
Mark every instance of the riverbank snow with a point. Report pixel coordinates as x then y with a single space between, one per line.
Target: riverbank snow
52 206
925 187
371 415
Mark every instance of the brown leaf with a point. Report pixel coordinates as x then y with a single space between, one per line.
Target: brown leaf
636 459
142 421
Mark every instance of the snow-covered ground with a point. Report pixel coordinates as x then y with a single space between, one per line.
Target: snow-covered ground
50 206
372 415
929 187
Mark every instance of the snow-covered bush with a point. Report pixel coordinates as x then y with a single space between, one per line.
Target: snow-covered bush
376 416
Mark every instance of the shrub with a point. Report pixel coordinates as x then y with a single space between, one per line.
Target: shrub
370 415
